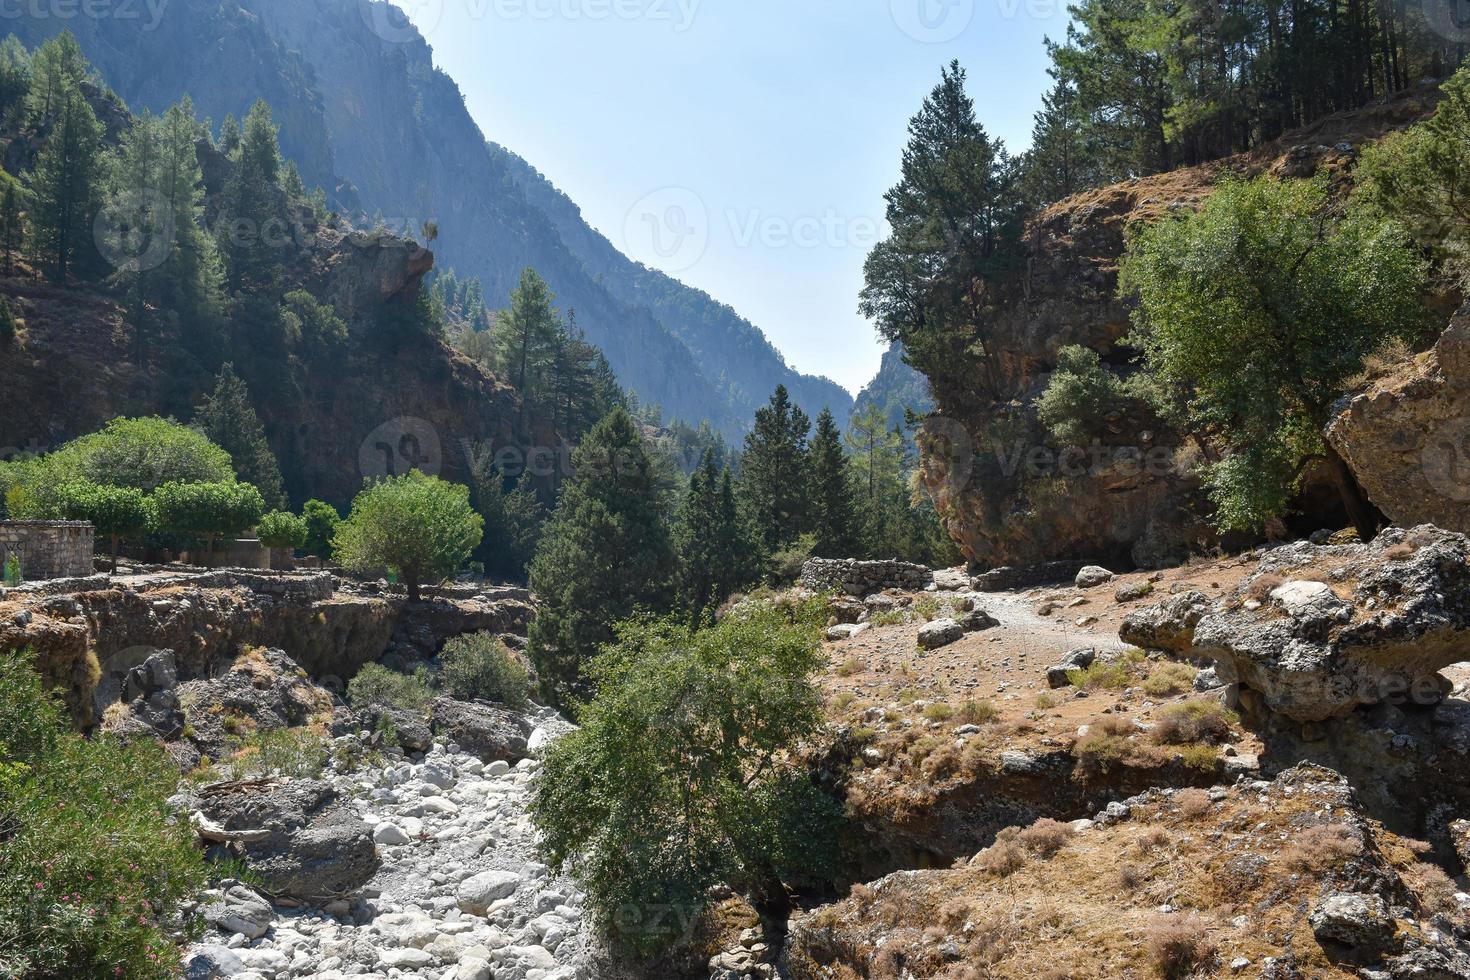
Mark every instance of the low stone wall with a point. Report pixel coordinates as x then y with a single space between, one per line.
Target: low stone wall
1009 579
48 549
863 577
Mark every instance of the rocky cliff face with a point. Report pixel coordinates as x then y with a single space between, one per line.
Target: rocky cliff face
1407 435
1006 495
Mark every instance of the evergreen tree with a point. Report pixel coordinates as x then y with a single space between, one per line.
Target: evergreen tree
716 554
57 69
64 186
605 554
832 521
253 223
191 280
773 471
513 523
7 323
877 460
1062 159
12 227
228 418
955 217
292 184
15 80
578 382
526 336
229 135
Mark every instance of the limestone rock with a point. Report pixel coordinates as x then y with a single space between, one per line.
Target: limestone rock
478 893
1359 921
1081 659
1169 625
488 731
1092 576
940 633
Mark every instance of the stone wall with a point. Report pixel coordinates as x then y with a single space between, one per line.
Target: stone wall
48 549
863 577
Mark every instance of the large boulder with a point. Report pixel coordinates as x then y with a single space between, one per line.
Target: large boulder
1321 630
940 633
1407 436
263 690
296 836
1169 625
492 732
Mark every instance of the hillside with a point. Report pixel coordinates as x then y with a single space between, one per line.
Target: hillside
386 133
896 389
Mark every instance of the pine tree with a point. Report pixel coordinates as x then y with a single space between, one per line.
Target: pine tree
253 222
228 418
513 523
12 227
956 218
7 323
137 224
773 477
832 521
526 336
192 281
605 554
64 187
56 69
15 80
716 554
877 458
292 183
1062 159
229 135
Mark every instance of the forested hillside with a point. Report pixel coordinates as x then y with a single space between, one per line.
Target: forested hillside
387 136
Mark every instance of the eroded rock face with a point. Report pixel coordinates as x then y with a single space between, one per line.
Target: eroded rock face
490 732
1407 437
1323 629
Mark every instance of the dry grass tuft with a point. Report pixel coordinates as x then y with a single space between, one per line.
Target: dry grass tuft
1179 945
1322 847
1169 679
851 666
1046 836
977 713
1193 803
1003 858
1194 722
1436 890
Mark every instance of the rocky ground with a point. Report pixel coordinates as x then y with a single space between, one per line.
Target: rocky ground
458 893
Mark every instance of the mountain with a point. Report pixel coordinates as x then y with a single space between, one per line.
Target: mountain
897 389
387 134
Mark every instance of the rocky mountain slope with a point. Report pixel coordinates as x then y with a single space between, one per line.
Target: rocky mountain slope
896 389
385 132
1132 499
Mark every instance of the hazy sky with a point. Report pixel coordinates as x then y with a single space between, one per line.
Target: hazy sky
742 146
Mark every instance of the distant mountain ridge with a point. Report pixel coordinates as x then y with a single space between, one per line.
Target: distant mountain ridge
383 130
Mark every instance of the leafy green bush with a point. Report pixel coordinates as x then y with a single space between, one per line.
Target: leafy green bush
420 526
479 666
321 526
280 529
1079 397
93 866
689 740
117 513
12 570
376 684
208 510
785 565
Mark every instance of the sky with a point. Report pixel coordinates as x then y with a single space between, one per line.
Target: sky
742 146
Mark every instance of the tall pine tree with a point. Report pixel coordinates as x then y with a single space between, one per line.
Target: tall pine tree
605 555
716 554
228 418
526 336
64 187
773 471
254 228
832 520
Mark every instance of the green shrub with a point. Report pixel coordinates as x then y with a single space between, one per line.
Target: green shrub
117 513
376 684
296 752
786 564
479 667
1101 676
1080 397
280 529
1194 722
7 323
12 570
93 866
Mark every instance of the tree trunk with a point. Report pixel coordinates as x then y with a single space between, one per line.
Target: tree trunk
1360 510
114 554
411 582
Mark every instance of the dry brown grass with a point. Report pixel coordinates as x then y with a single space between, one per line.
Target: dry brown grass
1152 839
1179 945
1193 803
1261 587
1193 722
1321 847
1115 725
1046 836
1003 858
851 667
977 713
1436 890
